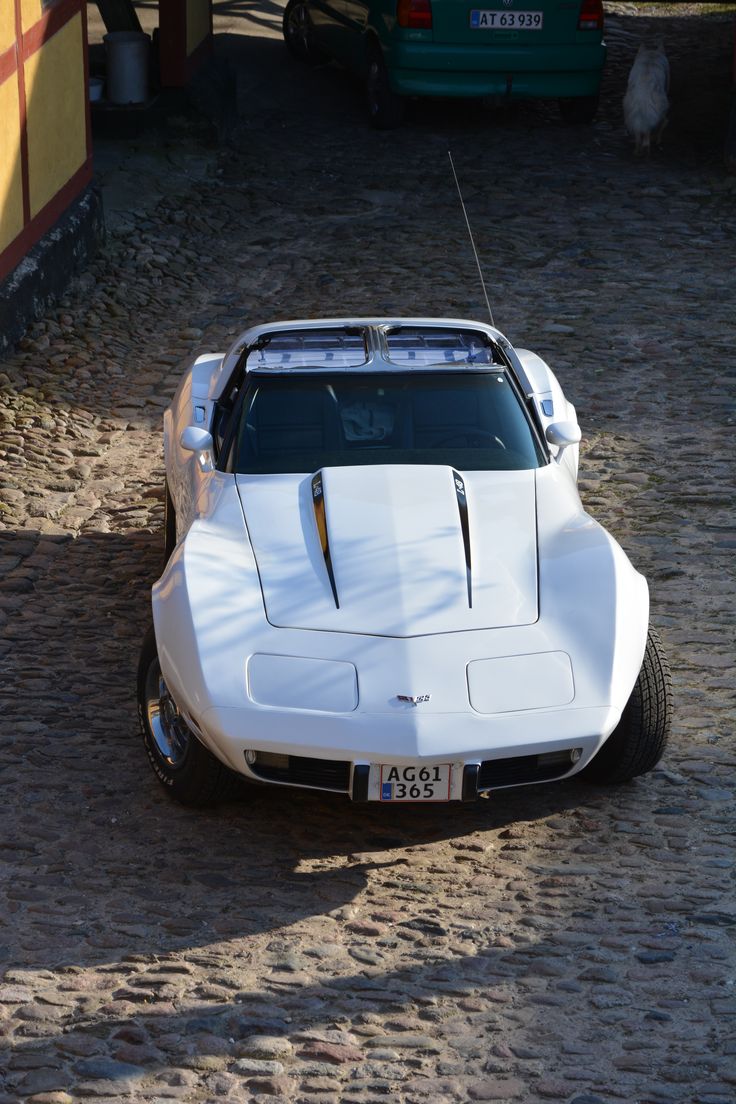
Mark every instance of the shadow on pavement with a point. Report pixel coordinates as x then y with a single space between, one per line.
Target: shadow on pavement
158 877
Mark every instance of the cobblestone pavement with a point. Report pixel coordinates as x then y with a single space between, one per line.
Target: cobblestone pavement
559 943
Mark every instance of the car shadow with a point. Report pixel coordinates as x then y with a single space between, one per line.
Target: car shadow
140 1033
103 862
142 938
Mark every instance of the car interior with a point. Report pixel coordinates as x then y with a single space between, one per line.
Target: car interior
303 424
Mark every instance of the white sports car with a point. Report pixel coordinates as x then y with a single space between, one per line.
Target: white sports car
379 578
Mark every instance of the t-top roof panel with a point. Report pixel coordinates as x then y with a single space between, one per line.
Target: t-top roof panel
413 346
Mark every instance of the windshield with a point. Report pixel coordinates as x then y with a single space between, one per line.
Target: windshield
468 420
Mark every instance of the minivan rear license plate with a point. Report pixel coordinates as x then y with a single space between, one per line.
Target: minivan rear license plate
415 783
481 20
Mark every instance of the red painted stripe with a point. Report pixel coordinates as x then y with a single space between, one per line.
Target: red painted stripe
176 66
172 22
8 63
87 109
45 219
23 124
50 22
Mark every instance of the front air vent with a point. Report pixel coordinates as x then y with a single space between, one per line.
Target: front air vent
320 516
301 770
521 769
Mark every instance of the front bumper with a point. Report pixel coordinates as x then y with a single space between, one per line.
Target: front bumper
344 753
362 781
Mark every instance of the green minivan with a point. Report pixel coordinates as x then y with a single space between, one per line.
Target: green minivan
498 49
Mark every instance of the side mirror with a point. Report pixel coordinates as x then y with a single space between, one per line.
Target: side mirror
563 434
196 439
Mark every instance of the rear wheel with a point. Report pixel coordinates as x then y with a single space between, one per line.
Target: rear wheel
636 745
385 107
298 31
582 109
182 764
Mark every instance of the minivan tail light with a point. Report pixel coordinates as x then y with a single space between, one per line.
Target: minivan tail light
591 15
415 13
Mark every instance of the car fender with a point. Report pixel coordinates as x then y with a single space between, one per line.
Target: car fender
550 404
192 405
590 592
205 599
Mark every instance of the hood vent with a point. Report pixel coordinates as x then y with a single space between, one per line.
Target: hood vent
387 550
462 505
320 516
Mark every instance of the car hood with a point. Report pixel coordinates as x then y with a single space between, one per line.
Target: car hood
395 550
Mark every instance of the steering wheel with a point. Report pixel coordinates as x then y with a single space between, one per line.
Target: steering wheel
470 438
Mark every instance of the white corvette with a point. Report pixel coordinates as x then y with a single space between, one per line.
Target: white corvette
380 579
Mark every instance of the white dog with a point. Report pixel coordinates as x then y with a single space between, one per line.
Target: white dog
646 102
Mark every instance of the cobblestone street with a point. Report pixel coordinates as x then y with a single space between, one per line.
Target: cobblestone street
553 943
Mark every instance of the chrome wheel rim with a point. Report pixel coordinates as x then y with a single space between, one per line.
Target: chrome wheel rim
169 731
299 28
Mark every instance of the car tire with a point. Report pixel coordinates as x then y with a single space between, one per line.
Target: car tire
581 109
298 31
385 107
181 763
636 744
169 524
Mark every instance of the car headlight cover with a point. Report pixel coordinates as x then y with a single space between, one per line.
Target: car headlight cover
292 682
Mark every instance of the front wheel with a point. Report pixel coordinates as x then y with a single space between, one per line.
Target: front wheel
636 744
385 107
298 31
181 763
582 109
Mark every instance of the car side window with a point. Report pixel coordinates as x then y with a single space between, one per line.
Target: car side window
225 406
221 420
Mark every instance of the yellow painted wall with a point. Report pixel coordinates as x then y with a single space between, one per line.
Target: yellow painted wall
7 25
198 23
30 12
56 110
11 193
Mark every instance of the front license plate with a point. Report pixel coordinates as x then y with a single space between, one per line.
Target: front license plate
481 20
413 783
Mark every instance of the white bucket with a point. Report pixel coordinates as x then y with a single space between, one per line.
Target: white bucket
127 66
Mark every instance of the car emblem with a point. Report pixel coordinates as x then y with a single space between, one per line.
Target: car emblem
507 3
415 699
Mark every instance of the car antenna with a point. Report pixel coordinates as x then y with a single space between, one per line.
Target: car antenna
470 235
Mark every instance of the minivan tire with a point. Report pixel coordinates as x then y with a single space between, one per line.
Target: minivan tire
298 32
385 107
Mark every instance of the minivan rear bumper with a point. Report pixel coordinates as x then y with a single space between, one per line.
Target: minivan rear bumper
419 69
